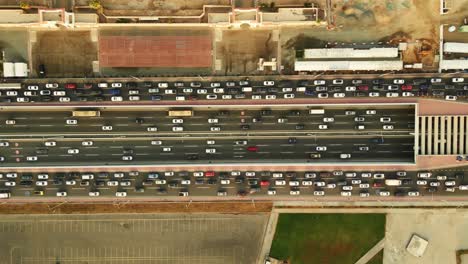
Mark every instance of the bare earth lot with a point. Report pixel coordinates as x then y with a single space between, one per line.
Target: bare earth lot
130 238
363 21
64 53
445 229
15 44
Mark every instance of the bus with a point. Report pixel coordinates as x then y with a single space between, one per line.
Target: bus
317 111
10 86
179 113
86 113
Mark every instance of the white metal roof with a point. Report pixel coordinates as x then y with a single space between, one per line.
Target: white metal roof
8 69
417 246
350 53
454 65
456 47
348 65
21 69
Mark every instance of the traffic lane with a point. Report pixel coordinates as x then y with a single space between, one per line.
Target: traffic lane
260 148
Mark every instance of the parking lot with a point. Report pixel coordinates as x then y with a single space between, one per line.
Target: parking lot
162 238
64 53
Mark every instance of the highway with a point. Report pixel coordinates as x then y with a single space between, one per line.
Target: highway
255 184
237 138
98 90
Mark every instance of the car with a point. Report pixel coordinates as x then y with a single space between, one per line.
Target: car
289 96
321 148
345 156
458 80
87 143
252 149
401 173
450 183
210 150
116 98
338 81
59 93
120 194
315 155
215 128
127 158
345 193
10 183
134 98
106 128
398 81
70 85
45 92
328 119
384 193
385 119
371 112
421 182
424 174
167 149
294 183
268 83
33 87
413 193
387 127
339 95
51 85
70 182
152 129
407 94
392 94
359 119
434 183
28 93
4 144
451 97
350 88
73 151
463 187
163 85
322 95
31 158
61 194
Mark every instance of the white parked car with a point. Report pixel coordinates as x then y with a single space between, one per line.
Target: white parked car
321 148
458 80
398 81
87 143
156 142
328 119
280 182
350 88
345 193
384 193
210 150
289 96
61 194
323 95
319 193
450 97
94 194
71 122
112 183
392 94
413 193
10 183
294 183
73 151
322 127
121 194
213 120
268 83
31 158
116 98
271 192
127 158
294 192
387 127
64 99
70 182
152 129
319 82
116 85
107 128
339 95
167 149
41 183
407 94
33 87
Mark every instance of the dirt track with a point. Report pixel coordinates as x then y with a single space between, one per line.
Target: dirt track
147 207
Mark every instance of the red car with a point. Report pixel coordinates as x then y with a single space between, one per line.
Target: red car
264 183
209 173
70 85
252 148
406 87
363 88
88 85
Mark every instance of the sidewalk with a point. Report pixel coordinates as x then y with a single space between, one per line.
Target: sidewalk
372 252
268 237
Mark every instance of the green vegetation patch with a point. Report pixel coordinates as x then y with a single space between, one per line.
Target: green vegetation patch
326 238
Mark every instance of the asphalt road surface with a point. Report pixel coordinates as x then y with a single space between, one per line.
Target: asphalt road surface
278 134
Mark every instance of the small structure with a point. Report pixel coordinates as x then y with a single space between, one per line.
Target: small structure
417 246
262 64
455 47
15 69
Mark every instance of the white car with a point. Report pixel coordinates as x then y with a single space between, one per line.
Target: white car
116 85
210 142
22 99
213 120
125 183
218 90
450 183
167 149
185 182
256 97
463 187
70 182
421 182
250 173
10 122
112 183
33 87
71 122
12 175
170 91
364 185
319 82
177 121
407 94
133 92
127 158
61 194
41 183
64 99
121 194
12 93
450 97
107 128
339 95
160 182
347 188
384 193
458 80
93 194
319 193
59 93
320 183
268 83
345 193
328 119
323 127
73 151
345 156
87 143
270 97
134 98
163 85
398 81
287 90
289 96
169 173
374 94
210 150
350 88
366 175
331 186
379 176
31 158
10 183
371 112
321 148
385 119
156 142
387 127
413 193
392 94
424 174
43 176
215 128
323 95
116 98
280 182
294 183
338 81
198 174
152 129
202 91
271 192
436 80
282 120
51 85
225 182
294 192
307 183
211 97
226 96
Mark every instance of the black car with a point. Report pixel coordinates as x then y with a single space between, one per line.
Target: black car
148 84
199 181
192 157
239 180
400 193
360 94
299 127
245 127
57 182
128 151
378 81
83 99
240 96
265 112
26 183
131 85
252 182
432 189
291 174
406 182
103 174
45 98
161 191
295 112
211 181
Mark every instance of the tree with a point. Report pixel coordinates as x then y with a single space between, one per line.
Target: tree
95 4
25 5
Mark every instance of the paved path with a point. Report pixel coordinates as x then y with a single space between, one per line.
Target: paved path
268 237
372 252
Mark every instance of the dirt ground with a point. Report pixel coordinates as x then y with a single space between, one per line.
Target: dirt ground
158 7
64 53
17 2
286 2
15 44
371 22
146 207
445 229
240 49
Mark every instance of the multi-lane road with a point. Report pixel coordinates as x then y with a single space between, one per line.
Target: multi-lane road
92 90
131 136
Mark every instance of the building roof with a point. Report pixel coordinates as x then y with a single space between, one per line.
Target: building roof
417 246
389 65
454 65
350 53
456 47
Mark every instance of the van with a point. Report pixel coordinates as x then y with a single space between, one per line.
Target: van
392 182
247 89
300 89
